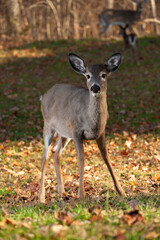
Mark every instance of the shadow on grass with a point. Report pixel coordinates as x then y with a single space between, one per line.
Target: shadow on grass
27 72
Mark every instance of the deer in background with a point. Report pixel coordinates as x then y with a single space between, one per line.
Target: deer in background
130 41
111 17
79 114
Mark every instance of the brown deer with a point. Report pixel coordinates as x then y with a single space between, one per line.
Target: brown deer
130 41
79 114
110 17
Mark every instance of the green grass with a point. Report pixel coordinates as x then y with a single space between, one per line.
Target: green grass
40 218
133 102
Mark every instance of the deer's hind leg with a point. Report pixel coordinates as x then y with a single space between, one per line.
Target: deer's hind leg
58 148
47 136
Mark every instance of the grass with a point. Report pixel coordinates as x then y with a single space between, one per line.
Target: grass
26 72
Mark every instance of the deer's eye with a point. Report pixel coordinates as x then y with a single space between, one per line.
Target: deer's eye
103 75
88 76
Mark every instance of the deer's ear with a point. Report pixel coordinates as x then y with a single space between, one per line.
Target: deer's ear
77 63
113 62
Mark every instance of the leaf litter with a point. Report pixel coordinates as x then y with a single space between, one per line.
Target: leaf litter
134 154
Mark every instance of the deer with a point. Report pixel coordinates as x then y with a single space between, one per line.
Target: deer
76 113
130 41
109 17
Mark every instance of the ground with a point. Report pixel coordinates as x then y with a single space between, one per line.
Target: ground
132 136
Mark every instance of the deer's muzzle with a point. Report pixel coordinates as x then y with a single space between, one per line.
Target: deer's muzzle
95 88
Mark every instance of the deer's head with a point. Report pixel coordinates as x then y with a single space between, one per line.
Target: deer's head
96 74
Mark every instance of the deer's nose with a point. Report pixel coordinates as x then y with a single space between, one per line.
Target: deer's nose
95 88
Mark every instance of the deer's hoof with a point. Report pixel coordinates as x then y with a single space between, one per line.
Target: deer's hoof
81 195
41 200
63 194
61 191
41 197
120 191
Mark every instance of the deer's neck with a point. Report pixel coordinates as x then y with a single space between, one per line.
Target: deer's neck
125 36
98 111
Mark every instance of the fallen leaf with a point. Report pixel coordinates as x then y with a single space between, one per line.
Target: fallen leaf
33 186
5 211
132 179
124 152
10 221
152 235
95 210
15 163
132 217
96 218
120 236
125 134
59 230
20 143
156 178
63 217
128 143
133 136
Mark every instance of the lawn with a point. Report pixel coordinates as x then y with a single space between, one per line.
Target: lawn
132 135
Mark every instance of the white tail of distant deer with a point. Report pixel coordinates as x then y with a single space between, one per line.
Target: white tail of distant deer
79 114
130 41
110 17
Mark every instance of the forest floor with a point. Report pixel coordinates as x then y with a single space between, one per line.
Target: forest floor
132 135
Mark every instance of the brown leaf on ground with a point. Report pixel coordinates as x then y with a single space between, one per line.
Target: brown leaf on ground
128 143
95 211
2 224
124 152
59 231
9 221
133 136
15 163
33 187
88 188
76 222
63 217
95 218
120 236
152 235
132 217
5 211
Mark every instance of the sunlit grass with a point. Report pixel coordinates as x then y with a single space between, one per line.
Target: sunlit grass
133 102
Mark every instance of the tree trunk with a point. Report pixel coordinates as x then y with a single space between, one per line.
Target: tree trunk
76 21
23 14
48 26
55 12
66 20
110 4
14 15
153 6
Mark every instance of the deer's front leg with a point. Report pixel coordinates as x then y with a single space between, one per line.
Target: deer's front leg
42 188
103 149
80 153
47 140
